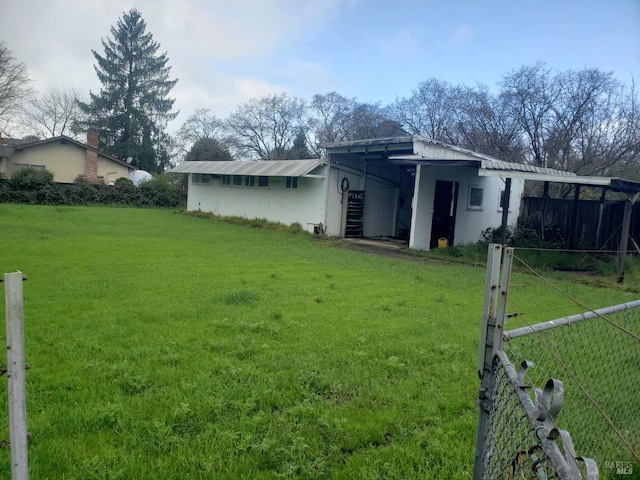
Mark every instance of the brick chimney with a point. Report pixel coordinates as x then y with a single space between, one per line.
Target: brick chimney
91 163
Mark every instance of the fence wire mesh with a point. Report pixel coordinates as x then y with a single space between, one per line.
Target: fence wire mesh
597 354
522 437
592 361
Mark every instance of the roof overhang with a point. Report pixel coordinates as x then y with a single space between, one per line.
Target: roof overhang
486 165
611 183
263 168
489 167
376 145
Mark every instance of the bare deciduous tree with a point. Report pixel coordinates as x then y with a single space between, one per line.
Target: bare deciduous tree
201 125
483 124
530 94
15 89
332 117
429 111
581 121
266 128
54 113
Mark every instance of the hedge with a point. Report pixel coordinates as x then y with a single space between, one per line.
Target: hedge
37 187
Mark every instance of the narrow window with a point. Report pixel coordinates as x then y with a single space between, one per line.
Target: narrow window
475 198
237 180
501 205
249 181
263 181
292 182
226 179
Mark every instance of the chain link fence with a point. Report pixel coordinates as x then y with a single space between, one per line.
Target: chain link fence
522 436
577 374
597 354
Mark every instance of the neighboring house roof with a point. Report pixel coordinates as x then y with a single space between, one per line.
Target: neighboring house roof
5 152
264 168
64 138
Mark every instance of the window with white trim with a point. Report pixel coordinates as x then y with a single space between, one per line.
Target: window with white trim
476 194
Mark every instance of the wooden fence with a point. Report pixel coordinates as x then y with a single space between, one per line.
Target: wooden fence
597 226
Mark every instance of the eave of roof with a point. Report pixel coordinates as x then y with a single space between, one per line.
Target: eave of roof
388 144
490 167
483 162
264 168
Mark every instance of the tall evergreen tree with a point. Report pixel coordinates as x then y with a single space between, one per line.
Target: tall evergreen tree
132 109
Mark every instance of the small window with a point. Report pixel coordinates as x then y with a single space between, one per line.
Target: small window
263 181
237 180
501 201
21 166
249 181
476 195
292 182
226 179
200 178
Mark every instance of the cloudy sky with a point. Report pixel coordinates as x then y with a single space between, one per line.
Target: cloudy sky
226 51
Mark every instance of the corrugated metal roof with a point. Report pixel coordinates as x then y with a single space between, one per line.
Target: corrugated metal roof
482 161
264 168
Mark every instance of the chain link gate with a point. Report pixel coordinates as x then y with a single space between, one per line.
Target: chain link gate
518 432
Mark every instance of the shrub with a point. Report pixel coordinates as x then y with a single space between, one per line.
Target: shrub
160 192
525 237
123 181
31 179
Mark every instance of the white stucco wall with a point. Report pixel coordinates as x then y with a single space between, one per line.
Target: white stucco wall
304 205
469 222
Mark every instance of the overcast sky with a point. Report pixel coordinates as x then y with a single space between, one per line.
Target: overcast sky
226 51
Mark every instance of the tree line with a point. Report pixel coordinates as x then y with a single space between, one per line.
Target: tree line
584 121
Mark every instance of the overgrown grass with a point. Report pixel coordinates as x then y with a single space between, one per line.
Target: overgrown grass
167 346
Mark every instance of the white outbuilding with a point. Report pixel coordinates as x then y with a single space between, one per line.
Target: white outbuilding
412 188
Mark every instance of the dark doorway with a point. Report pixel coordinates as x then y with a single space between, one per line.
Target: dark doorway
445 202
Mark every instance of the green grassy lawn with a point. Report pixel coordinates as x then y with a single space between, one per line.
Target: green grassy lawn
167 346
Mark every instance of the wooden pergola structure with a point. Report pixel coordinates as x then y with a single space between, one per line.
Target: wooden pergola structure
629 188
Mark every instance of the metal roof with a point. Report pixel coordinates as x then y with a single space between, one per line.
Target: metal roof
264 168
483 162
490 167
373 144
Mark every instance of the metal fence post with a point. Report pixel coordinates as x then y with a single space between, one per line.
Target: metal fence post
14 316
490 329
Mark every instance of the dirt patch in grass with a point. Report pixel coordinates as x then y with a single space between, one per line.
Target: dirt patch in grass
384 248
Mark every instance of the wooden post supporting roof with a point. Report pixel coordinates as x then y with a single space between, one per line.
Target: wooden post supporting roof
603 197
624 235
543 216
574 217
